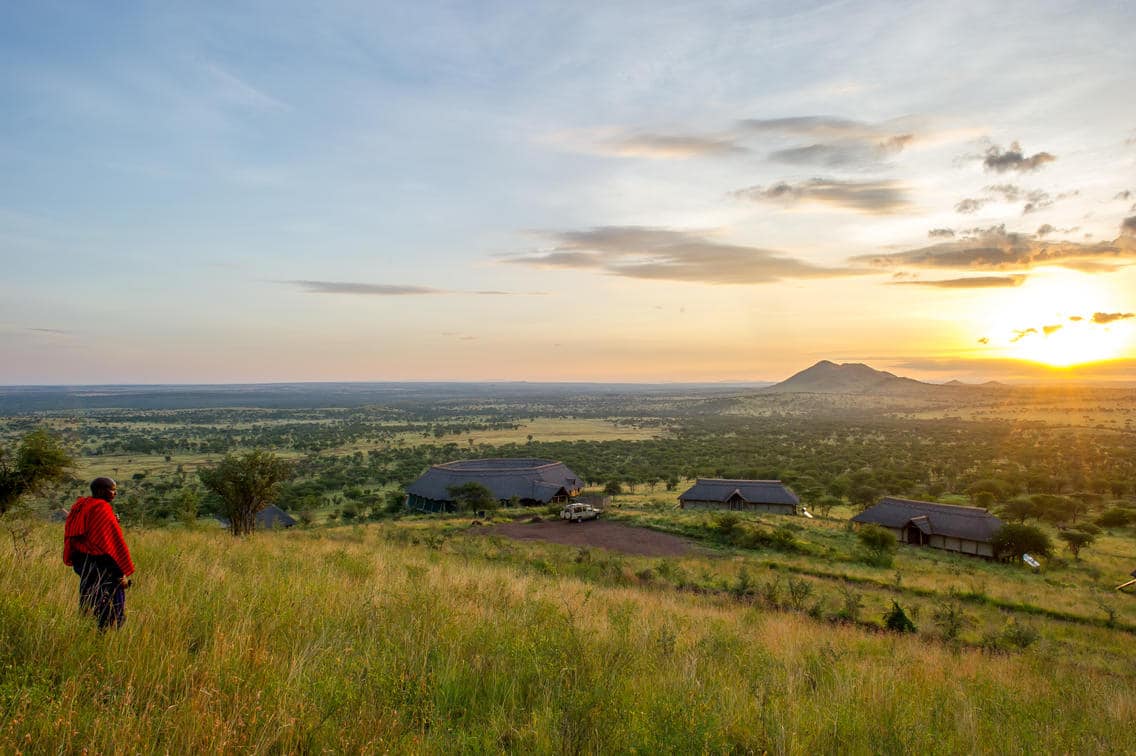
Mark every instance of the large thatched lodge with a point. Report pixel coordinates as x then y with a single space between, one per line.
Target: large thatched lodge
967 530
526 481
770 496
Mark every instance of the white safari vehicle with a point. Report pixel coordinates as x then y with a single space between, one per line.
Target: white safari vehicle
576 511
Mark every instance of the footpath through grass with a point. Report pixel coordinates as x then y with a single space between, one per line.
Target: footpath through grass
351 640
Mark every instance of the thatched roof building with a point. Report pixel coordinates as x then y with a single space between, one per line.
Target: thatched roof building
749 495
968 530
530 481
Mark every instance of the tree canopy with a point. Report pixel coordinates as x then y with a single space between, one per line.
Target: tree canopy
245 484
39 459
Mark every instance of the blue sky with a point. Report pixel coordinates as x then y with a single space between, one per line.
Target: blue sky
630 191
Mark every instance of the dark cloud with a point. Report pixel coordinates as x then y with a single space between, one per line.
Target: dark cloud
873 197
51 331
675 146
941 233
974 282
1019 335
1014 159
379 290
1125 195
970 205
1048 329
1128 227
1101 318
996 249
668 255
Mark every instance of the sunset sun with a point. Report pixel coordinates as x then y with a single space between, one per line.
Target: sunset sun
1061 320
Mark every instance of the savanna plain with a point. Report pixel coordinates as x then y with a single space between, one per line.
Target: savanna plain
370 628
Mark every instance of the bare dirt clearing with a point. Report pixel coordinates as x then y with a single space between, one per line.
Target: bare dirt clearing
598 533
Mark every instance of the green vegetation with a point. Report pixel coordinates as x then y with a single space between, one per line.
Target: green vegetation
37 461
245 485
410 638
371 628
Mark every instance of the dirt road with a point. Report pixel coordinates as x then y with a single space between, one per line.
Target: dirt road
598 533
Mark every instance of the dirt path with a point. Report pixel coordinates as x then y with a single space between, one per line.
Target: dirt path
599 533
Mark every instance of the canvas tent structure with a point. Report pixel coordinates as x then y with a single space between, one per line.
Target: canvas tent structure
770 496
967 530
529 481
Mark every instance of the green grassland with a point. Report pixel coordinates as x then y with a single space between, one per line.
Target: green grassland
417 636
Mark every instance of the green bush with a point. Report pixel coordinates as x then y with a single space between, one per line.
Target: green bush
877 545
897 621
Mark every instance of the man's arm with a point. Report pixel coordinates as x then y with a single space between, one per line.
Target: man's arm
104 533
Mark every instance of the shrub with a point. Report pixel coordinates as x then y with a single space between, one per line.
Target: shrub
897 621
1116 517
877 545
1011 541
950 618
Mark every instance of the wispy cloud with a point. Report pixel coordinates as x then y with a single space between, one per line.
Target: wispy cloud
1033 199
1014 159
941 233
673 146
973 282
384 290
51 331
842 142
1128 227
665 254
995 248
1101 318
872 197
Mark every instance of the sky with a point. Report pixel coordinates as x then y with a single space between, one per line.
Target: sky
539 191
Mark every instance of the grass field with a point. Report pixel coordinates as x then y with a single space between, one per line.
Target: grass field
414 637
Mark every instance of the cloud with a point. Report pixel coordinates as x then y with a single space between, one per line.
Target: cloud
996 249
1019 335
1125 195
1046 229
1101 318
974 282
1128 227
1075 318
984 340
51 331
1048 329
673 146
844 153
1035 199
941 233
669 255
383 290
1014 159
970 206
823 127
872 197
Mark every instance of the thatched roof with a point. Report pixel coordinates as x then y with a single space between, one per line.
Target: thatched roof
527 479
751 491
268 518
950 520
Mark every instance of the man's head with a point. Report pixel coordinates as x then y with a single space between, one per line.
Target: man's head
104 488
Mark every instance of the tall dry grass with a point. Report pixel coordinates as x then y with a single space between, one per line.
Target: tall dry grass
343 640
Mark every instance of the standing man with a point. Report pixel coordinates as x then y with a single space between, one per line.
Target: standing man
94 547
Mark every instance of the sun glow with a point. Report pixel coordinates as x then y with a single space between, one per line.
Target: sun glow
1051 320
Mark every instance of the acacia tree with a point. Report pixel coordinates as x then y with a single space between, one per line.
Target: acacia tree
473 496
246 484
38 460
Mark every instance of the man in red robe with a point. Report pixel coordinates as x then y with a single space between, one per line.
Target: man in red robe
94 547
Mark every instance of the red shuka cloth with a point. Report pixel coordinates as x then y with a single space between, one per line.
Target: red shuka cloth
92 528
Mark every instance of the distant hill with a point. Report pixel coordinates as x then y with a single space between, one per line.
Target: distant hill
827 377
